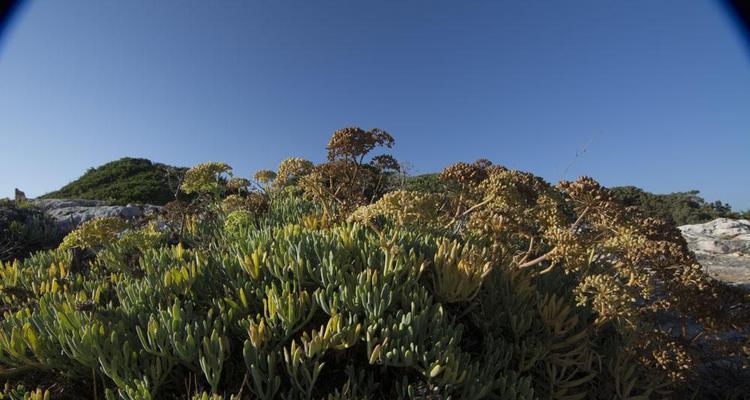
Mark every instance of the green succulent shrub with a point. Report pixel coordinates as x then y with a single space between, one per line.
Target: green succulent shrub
309 283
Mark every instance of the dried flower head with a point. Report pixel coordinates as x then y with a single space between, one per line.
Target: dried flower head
264 176
609 298
354 143
463 174
405 208
238 183
290 170
252 202
205 177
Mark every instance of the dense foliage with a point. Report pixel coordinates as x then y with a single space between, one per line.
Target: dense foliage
426 183
127 180
23 230
313 282
682 208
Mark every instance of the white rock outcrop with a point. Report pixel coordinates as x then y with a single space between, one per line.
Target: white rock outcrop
722 246
720 236
68 214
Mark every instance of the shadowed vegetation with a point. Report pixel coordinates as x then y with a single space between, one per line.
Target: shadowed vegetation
682 208
23 230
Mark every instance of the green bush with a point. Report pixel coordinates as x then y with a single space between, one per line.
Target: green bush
23 230
501 287
428 183
127 180
682 208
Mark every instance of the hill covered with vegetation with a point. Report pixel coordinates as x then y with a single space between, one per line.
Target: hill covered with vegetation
316 281
127 180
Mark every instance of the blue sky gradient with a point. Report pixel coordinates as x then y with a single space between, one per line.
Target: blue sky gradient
657 92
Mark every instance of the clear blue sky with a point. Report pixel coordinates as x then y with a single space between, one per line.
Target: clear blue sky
657 91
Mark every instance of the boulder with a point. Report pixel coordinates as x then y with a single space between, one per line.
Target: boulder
720 236
722 246
20 196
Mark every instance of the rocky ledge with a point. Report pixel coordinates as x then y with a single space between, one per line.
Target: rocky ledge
722 246
68 214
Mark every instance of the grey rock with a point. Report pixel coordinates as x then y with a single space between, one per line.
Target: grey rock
722 246
67 214
721 236
53 204
20 196
732 269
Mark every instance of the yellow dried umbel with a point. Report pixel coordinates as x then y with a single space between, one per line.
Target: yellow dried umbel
568 250
354 143
237 183
619 258
290 170
664 353
339 186
94 233
346 181
464 174
404 208
593 202
264 178
205 177
254 203
232 202
609 299
512 209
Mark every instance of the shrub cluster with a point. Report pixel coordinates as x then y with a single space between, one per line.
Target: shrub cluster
23 230
683 207
127 180
311 282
